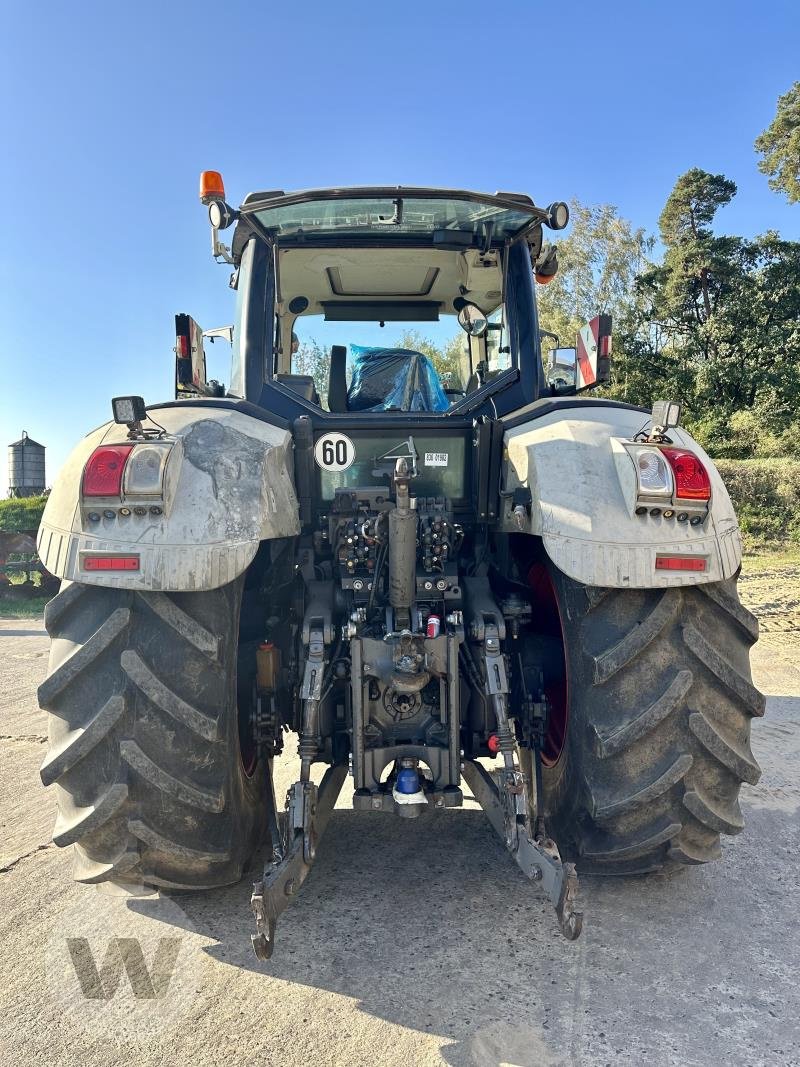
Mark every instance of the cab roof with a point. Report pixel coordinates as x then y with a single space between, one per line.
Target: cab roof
442 216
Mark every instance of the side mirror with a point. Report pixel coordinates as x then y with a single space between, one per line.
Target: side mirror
473 320
224 333
561 369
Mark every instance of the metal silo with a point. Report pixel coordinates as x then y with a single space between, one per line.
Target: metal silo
25 467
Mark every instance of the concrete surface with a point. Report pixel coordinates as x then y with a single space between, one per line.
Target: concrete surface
418 943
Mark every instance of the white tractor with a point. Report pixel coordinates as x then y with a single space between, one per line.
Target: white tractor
394 538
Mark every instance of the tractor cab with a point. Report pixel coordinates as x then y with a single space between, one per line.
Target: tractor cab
376 321
385 301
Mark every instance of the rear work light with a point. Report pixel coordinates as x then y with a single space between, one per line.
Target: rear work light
102 475
144 472
111 563
653 474
691 477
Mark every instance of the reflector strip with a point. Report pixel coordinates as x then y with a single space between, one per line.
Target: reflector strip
680 563
111 563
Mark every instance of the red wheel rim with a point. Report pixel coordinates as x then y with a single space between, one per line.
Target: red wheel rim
248 753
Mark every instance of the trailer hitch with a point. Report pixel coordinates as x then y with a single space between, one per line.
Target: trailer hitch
298 832
539 860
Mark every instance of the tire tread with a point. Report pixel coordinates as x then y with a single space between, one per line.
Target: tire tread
144 777
660 747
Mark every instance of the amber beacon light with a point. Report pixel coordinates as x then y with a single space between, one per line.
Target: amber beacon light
212 186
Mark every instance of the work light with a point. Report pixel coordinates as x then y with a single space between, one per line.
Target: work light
128 409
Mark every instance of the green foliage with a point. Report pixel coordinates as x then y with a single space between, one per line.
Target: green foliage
746 435
779 147
715 325
21 514
452 359
598 263
692 205
686 289
766 495
314 359
29 608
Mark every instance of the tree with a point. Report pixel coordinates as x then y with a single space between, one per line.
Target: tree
756 334
726 315
450 359
779 147
678 298
597 266
696 264
314 359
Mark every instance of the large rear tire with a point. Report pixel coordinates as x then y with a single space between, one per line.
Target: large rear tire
659 705
144 737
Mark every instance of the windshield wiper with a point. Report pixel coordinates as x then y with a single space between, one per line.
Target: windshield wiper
396 218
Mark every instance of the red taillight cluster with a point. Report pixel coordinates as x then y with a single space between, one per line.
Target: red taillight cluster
691 477
102 475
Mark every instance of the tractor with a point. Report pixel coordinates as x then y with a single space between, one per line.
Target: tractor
408 541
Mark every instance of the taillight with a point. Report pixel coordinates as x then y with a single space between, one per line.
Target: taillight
691 477
102 475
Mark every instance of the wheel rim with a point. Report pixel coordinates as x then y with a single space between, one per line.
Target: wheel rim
245 703
548 617
248 753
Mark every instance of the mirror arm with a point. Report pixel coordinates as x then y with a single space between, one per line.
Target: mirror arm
220 251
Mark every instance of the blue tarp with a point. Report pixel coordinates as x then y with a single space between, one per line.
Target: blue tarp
398 379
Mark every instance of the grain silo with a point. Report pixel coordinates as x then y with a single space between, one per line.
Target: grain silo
25 467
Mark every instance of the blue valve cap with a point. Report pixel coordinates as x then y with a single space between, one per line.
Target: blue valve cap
407 780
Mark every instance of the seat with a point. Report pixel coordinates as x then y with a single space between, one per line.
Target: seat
303 384
337 379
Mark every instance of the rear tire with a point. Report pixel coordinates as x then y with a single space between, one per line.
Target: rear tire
144 737
660 701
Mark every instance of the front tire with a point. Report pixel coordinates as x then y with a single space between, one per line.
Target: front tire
660 702
144 737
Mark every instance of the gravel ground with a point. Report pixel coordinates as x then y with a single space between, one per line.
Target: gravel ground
419 942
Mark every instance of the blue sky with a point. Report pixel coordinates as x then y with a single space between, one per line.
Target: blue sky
108 113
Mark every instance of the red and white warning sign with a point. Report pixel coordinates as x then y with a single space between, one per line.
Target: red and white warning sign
593 345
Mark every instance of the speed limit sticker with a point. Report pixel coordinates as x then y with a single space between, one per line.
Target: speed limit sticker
334 452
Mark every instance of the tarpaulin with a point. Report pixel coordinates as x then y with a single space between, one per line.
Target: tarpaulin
394 379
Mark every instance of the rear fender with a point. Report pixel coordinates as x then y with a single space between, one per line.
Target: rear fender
581 502
228 486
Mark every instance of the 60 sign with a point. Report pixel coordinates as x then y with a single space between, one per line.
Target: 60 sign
334 452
